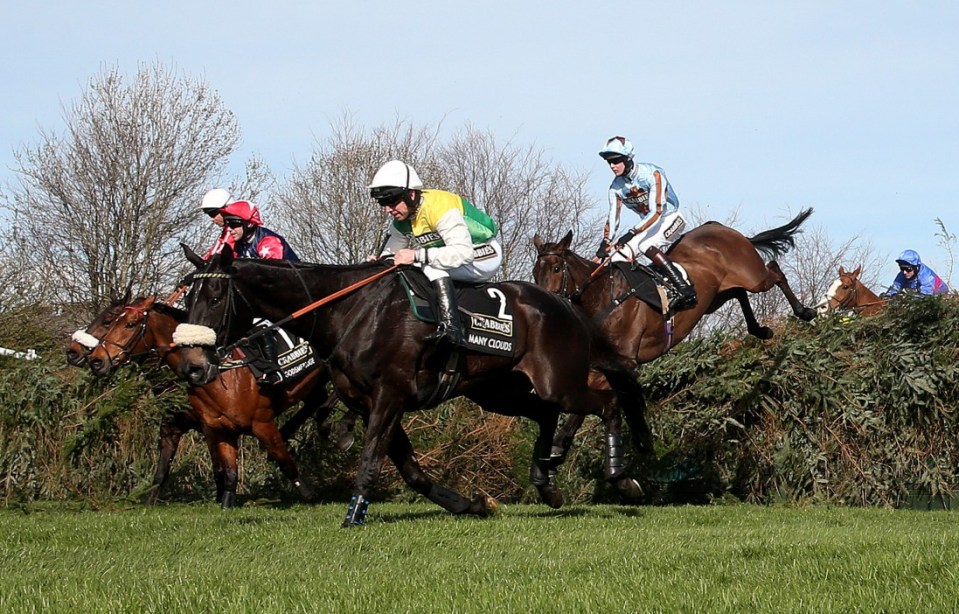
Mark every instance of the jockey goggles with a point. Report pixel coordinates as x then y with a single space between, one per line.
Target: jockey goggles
387 195
234 222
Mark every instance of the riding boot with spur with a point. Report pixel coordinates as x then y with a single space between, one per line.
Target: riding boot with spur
271 372
686 298
448 325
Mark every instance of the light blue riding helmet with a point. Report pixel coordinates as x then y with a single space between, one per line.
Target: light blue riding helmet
617 146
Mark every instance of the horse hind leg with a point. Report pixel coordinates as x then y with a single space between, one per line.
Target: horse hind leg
802 312
752 324
401 453
542 464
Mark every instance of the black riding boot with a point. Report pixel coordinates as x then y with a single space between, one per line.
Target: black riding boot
686 298
271 372
448 321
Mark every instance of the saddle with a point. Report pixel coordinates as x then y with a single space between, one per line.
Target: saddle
294 356
484 313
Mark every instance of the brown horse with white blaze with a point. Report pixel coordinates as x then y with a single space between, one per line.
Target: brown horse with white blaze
848 292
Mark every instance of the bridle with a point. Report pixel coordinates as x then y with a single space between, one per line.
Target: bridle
850 297
126 354
229 310
564 289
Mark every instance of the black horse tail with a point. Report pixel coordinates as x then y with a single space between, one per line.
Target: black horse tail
776 242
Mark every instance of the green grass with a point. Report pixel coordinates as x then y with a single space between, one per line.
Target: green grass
415 558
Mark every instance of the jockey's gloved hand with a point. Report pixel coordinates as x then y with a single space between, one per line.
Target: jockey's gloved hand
626 238
603 249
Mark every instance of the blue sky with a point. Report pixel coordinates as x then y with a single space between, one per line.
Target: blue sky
757 107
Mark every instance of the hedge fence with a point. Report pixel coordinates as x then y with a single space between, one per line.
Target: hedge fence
845 410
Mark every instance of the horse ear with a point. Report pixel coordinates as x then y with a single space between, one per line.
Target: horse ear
565 241
538 242
226 257
842 271
127 294
856 272
197 261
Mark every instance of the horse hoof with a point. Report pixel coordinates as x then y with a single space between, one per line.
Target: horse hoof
229 501
629 489
151 497
551 496
491 506
765 333
307 493
807 315
345 442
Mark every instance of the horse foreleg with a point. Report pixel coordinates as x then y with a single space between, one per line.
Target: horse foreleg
383 420
402 454
223 452
802 312
632 404
542 463
269 435
752 324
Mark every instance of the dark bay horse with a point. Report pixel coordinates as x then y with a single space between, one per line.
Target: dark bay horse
848 292
722 264
231 405
380 364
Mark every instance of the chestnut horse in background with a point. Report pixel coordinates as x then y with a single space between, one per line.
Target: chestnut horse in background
848 292
231 405
721 263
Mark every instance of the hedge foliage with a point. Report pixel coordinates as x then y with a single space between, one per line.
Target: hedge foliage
846 410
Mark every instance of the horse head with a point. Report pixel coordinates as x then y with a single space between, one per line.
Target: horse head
84 340
843 292
558 268
124 340
215 318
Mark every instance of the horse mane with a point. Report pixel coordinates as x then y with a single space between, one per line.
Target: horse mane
312 266
776 242
176 313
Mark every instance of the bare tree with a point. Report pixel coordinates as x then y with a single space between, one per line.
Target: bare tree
101 206
325 210
522 190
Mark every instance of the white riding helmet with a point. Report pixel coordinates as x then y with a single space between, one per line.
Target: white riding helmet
215 199
393 177
617 146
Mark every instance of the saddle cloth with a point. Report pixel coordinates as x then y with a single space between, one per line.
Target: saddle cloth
294 356
645 284
485 315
